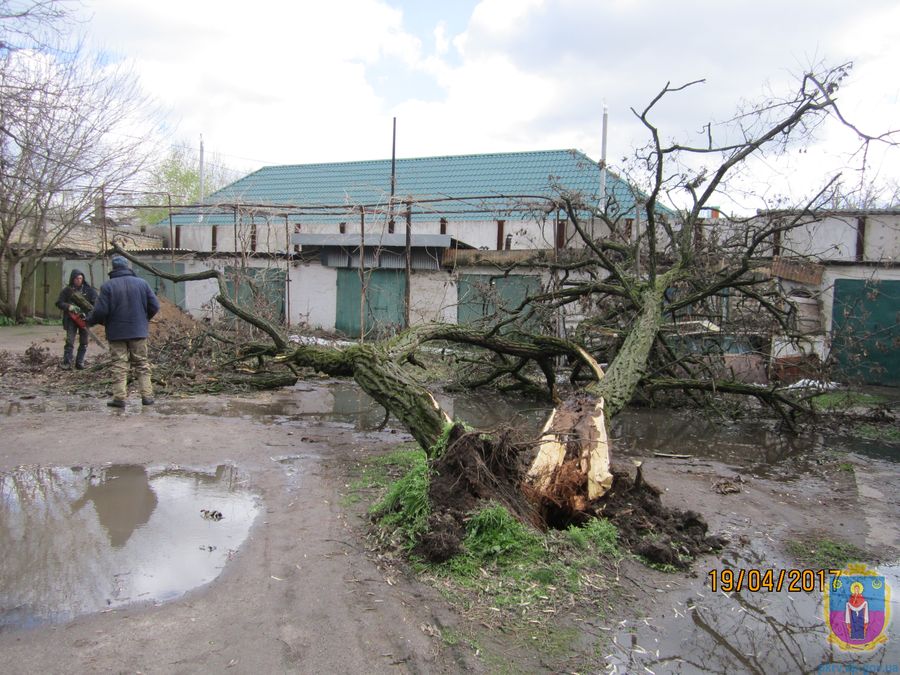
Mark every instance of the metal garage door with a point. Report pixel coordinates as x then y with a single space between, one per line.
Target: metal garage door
482 297
385 292
866 330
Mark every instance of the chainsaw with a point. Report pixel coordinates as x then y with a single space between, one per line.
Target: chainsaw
79 321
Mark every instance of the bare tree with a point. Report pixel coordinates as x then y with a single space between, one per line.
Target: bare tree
71 128
31 24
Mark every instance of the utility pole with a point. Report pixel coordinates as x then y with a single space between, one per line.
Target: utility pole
100 218
362 274
603 159
393 178
408 259
200 218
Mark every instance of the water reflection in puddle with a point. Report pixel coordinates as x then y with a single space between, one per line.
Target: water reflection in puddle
80 540
765 632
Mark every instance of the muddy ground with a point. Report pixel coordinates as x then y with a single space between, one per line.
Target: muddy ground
303 594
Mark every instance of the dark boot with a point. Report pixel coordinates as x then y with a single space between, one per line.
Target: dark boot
79 358
116 403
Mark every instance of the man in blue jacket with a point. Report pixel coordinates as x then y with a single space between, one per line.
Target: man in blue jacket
126 305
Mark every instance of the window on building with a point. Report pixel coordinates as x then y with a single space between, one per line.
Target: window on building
215 238
342 228
253 235
443 226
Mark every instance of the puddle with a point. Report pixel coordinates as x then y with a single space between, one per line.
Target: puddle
636 433
765 632
87 539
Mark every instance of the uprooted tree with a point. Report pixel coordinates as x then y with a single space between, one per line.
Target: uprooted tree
631 284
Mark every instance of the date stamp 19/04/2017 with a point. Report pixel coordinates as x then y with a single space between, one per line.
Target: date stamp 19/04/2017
792 580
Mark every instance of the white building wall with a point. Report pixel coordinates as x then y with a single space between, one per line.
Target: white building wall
882 239
313 295
526 234
833 238
432 297
199 296
195 238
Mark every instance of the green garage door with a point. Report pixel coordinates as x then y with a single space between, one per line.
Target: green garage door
865 341
385 291
259 289
163 287
481 297
47 283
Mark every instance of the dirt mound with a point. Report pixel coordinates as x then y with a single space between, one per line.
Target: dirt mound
476 468
172 322
649 528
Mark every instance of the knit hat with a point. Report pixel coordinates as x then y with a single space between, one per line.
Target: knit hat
119 262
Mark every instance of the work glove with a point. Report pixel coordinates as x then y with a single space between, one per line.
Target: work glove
75 308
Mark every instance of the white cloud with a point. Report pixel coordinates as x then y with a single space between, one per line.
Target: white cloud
310 81
441 42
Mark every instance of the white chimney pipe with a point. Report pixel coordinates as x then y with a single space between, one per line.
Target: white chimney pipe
603 159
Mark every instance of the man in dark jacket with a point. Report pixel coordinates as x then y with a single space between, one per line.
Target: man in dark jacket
67 303
126 305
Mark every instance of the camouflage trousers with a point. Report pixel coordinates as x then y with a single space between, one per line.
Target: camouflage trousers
127 353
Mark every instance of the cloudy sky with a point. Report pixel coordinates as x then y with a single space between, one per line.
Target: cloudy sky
274 82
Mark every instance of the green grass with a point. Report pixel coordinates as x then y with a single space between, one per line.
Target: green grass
878 432
842 400
598 535
404 509
29 321
507 576
826 553
378 472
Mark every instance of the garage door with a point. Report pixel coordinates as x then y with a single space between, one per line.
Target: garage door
866 331
383 311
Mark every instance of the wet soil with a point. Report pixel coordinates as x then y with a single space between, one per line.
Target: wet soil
303 595
300 595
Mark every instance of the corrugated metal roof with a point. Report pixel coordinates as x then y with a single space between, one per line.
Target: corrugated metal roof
460 177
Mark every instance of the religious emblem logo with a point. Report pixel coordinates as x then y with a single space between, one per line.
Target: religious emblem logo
857 608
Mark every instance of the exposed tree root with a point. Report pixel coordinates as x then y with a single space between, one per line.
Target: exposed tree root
472 470
475 469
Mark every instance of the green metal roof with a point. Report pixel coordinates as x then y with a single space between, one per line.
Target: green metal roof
470 178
